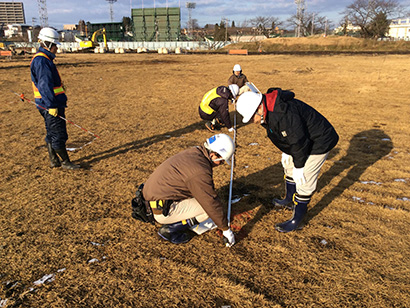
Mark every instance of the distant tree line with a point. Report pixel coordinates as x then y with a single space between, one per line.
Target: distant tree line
372 17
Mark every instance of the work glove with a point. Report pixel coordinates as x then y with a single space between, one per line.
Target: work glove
53 111
229 238
286 160
298 176
231 130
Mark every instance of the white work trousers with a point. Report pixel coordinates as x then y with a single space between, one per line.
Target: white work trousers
311 172
185 209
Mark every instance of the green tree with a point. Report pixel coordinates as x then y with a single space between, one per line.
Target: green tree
221 33
379 25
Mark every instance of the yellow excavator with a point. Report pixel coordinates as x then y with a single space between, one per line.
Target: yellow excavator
93 43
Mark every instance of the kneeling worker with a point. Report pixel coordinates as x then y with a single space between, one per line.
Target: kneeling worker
214 107
181 191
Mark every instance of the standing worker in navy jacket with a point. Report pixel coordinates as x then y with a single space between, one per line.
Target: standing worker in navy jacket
305 138
49 93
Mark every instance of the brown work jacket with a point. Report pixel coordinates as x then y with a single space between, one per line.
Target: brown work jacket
240 80
185 175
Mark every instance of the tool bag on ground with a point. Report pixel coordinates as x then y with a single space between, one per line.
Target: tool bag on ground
141 209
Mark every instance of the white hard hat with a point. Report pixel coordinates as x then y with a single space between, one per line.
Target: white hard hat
221 144
234 89
237 68
247 105
49 35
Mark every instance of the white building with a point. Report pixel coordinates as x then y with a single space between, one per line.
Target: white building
348 29
12 31
400 29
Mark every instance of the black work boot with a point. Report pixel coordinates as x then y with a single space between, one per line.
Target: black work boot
54 160
299 213
179 232
66 163
290 189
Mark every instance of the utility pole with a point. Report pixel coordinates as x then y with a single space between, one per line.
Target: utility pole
299 15
226 20
111 2
313 22
42 12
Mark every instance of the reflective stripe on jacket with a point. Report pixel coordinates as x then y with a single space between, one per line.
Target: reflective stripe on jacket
206 100
57 91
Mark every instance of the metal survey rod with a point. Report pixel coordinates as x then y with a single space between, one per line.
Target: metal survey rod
23 98
232 166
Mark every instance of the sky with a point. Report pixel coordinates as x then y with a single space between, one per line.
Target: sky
62 12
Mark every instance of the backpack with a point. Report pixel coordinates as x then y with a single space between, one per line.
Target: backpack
140 208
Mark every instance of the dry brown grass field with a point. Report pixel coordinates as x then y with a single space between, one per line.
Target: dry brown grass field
67 238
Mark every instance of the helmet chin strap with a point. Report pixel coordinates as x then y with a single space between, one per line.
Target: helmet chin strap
45 44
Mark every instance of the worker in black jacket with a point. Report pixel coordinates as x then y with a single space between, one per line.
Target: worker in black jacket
305 138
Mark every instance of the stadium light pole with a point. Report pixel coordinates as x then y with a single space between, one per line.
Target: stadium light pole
190 6
111 2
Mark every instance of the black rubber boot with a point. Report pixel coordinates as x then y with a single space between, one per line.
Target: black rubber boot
54 160
66 163
299 213
179 232
290 189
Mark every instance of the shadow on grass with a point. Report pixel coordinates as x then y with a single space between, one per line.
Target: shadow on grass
366 148
146 142
138 144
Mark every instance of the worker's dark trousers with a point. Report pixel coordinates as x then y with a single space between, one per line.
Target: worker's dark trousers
209 117
56 129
